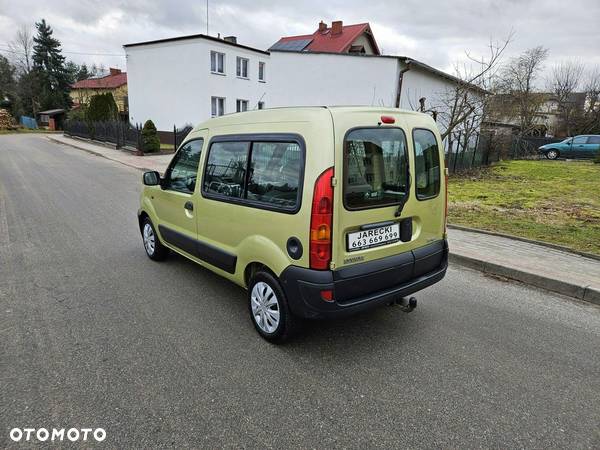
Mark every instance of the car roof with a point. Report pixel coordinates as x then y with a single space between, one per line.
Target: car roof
298 114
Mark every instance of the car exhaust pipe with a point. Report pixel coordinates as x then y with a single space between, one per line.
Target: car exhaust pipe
407 304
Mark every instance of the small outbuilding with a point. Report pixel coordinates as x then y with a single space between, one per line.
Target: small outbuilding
52 118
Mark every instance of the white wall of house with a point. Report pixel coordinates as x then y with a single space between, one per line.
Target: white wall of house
172 84
301 79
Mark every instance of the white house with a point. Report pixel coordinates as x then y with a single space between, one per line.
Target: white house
191 78
188 79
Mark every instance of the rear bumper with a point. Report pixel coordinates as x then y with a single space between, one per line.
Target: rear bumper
363 286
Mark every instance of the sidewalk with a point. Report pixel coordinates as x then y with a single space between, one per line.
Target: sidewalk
545 267
145 163
538 265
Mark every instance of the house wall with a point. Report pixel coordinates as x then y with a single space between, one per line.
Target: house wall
364 41
83 96
303 79
171 82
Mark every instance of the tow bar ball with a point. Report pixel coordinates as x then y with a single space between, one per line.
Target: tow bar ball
406 304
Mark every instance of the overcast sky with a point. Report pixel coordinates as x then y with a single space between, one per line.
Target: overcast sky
435 32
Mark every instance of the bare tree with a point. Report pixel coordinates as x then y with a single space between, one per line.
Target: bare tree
564 81
518 79
22 49
462 107
588 122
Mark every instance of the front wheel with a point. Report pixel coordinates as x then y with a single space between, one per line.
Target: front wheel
154 248
552 154
269 309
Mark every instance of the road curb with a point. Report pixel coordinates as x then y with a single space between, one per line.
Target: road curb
585 293
103 155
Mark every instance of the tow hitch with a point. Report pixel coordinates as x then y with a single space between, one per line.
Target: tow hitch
406 304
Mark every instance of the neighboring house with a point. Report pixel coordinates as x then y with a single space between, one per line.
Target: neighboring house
548 118
188 79
115 83
340 38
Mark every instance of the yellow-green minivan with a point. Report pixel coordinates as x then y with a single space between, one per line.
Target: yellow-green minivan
317 211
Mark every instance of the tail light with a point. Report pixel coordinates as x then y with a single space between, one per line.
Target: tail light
321 220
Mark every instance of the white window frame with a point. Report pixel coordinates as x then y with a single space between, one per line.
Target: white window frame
240 67
261 76
214 58
239 103
215 103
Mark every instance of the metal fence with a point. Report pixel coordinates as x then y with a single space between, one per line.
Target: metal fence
121 134
483 149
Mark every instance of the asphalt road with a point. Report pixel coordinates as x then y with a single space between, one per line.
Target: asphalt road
94 334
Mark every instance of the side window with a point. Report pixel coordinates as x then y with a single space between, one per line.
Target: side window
275 173
580 140
427 164
594 140
225 172
217 62
182 172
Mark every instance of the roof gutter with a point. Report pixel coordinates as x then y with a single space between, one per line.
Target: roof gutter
400 78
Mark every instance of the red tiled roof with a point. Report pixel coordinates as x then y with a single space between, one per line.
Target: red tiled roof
327 42
107 82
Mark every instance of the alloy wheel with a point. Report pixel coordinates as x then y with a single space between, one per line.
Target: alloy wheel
149 239
265 307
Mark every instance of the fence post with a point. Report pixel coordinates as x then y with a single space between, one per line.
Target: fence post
174 138
475 150
457 149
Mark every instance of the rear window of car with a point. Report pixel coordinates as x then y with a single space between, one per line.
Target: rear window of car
594 140
376 167
427 164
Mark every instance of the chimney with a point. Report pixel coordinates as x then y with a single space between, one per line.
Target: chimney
231 39
114 71
322 27
336 27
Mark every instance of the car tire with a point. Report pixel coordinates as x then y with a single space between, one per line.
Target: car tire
155 250
552 154
269 309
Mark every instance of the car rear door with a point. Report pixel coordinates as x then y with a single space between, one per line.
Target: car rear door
592 148
376 210
579 147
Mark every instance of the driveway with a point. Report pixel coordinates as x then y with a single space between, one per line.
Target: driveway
94 334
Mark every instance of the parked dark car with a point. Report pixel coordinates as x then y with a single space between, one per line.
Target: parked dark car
583 146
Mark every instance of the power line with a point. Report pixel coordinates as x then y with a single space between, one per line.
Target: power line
71 53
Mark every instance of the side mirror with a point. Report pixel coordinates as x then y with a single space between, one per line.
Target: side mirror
151 178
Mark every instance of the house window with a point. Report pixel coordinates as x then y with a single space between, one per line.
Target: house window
217 62
217 106
261 71
261 105
242 67
241 105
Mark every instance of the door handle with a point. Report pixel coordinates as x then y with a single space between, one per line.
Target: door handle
189 206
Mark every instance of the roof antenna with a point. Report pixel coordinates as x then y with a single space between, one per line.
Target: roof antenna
207 18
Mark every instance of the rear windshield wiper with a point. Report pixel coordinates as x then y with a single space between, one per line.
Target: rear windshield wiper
405 197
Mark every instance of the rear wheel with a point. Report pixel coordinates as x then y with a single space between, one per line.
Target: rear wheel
154 248
269 309
552 154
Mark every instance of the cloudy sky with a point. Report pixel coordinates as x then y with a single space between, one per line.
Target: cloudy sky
435 32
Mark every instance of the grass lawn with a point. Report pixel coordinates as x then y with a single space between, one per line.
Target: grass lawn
166 146
552 201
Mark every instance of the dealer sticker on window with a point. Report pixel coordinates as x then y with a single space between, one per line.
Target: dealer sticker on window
373 237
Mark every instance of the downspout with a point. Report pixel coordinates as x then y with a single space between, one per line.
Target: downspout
400 78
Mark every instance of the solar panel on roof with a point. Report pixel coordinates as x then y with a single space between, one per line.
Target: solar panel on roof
296 45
